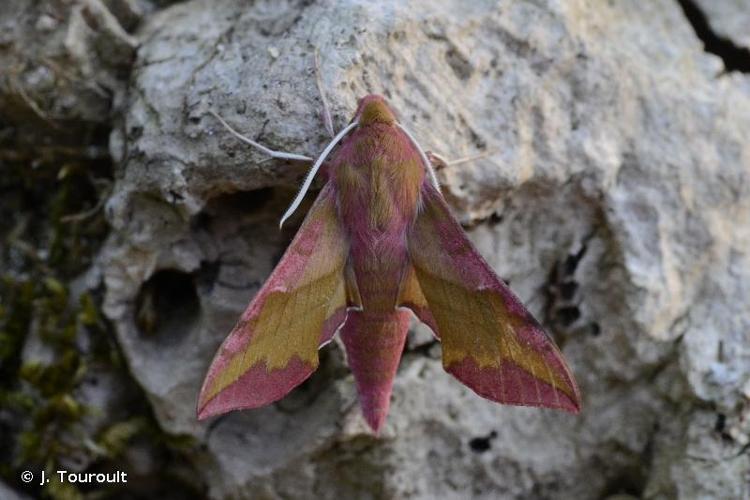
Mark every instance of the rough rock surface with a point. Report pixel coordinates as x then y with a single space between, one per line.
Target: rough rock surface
613 198
63 64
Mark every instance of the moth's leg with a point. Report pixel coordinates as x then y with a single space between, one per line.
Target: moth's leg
439 162
270 152
328 122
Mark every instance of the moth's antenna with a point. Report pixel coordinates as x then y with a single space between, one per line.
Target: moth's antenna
270 152
427 164
327 120
313 171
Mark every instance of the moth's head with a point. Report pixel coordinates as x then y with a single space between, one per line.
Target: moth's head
374 109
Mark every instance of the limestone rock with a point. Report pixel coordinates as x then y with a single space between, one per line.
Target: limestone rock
613 197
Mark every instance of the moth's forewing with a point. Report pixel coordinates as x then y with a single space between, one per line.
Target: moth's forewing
274 346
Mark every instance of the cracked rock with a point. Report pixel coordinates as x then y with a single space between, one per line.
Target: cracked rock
729 19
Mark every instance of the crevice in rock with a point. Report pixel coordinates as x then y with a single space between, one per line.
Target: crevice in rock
630 483
735 58
166 305
482 444
245 202
595 329
561 292
426 350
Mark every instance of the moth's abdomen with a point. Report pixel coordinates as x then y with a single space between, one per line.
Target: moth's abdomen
374 344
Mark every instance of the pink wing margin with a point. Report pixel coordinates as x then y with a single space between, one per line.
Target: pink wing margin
491 343
274 346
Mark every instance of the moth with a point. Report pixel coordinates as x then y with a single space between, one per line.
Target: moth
379 244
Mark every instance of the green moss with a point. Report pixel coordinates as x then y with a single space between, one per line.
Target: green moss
88 314
15 314
62 491
43 253
115 438
50 218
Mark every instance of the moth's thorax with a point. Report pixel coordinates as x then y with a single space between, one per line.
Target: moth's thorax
378 174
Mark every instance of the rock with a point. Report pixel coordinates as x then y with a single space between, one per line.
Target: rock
612 197
10 494
728 19
64 64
